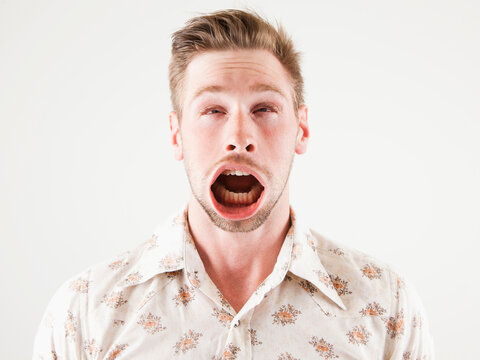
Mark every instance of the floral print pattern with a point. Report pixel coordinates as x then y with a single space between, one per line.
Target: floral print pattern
359 335
114 300
151 323
395 325
132 278
91 348
308 287
185 295
371 271
286 356
224 317
323 348
116 351
326 301
71 326
253 337
287 314
340 285
80 285
187 342
373 309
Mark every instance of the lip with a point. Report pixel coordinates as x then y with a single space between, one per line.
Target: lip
236 213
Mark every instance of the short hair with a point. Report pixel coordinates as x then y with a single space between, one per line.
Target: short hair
231 30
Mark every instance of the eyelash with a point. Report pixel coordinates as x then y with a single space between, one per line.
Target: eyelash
270 108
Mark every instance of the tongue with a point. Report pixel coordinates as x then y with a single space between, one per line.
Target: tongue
239 183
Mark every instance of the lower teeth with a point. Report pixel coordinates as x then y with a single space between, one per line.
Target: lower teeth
231 198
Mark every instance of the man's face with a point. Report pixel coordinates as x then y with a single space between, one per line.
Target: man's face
238 135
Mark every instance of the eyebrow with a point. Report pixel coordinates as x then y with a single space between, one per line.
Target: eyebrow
253 88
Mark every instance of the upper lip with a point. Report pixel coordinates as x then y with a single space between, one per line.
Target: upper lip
239 167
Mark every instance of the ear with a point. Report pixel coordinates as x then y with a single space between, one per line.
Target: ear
176 136
303 133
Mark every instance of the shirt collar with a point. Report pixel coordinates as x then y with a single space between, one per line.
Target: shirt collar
305 260
165 252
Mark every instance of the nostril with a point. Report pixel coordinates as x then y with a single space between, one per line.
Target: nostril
250 148
230 147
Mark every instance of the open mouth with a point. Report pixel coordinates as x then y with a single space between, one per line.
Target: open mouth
236 193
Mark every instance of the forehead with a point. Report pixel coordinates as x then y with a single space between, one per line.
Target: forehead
234 71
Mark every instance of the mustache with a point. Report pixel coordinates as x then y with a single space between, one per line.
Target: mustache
243 160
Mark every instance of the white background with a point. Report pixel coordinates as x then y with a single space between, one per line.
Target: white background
87 171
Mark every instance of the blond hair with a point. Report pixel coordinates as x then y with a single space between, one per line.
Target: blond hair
231 30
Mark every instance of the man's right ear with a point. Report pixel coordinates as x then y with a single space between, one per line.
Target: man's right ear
176 136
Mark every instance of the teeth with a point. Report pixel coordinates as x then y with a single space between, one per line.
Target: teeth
235 172
232 198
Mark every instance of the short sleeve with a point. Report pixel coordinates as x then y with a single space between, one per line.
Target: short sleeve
59 335
408 328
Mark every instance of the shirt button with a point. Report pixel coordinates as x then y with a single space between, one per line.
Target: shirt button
237 324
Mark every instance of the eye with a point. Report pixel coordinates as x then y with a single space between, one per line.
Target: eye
265 108
213 111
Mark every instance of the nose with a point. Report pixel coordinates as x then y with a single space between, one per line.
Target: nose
240 134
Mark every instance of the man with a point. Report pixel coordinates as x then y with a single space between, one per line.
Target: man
236 275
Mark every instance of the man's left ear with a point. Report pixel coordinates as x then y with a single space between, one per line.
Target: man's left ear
303 131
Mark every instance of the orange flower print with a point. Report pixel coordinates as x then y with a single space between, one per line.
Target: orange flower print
187 342
286 356
407 355
117 323
118 264
116 351
91 348
359 335
185 295
337 251
114 300
322 347
324 278
373 309
173 274
395 325
80 285
146 298
308 287
253 337
170 262
193 278
340 285
132 278
151 323
71 326
222 316
229 353
152 242
287 314
372 272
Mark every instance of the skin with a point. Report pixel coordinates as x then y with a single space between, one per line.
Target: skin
237 108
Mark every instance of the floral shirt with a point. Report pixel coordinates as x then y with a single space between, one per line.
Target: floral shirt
321 301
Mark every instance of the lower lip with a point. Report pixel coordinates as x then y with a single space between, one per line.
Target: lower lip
236 212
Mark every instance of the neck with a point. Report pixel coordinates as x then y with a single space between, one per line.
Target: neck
237 262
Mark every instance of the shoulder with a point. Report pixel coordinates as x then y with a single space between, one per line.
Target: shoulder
64 323
360 279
